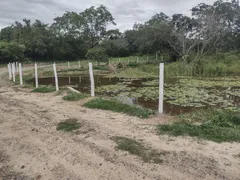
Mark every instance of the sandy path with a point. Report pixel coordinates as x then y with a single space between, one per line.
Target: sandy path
31 148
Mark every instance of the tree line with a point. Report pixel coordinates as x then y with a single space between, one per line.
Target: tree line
210 29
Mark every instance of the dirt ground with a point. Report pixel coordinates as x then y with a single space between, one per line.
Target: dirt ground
31 148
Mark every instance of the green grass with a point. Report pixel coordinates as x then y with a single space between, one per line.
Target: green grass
44 89
116 106
102 67
215 125
222 64
68 125
26 79
136 148
72 96
73 70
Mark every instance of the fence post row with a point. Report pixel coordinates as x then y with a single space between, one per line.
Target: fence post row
56 77
91 79
20 74
161 86
36 75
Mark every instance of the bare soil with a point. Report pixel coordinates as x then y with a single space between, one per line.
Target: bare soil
32 148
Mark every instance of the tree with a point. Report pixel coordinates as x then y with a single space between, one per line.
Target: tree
97 54
158 18
11 52
116 47
113 34
95 24
182 38
68 30
152 38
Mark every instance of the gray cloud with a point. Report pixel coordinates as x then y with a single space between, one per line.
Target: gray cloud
125 12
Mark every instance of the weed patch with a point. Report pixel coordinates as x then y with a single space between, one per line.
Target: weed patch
44 89
75 96
68 125
116 106
138 149
215 125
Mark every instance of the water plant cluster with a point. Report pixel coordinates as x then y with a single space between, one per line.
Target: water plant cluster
185 92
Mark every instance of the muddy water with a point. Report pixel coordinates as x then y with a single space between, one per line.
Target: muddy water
82 84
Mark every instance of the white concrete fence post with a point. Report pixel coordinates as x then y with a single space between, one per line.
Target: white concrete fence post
91 79
13 71
20 74
79 64
17 67
10 71
36 75
161 86
137 60
56 77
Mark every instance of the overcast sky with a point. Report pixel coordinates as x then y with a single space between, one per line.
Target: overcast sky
125 12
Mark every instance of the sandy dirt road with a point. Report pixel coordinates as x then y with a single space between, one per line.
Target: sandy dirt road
31 148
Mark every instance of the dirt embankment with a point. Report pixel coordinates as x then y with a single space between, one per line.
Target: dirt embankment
31 148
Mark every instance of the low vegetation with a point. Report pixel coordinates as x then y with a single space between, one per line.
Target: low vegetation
215 125
136 148
117 106
44 89
68 125
72 96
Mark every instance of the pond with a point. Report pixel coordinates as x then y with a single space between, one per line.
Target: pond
180 94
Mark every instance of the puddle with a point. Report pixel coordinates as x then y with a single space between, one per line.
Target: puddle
179 97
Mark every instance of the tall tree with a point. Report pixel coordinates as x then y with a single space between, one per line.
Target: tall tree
95 23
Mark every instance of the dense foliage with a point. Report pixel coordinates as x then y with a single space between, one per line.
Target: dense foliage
211 29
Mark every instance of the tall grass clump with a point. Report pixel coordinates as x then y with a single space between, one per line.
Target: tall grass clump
117 106
72 96
68 125
44 89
